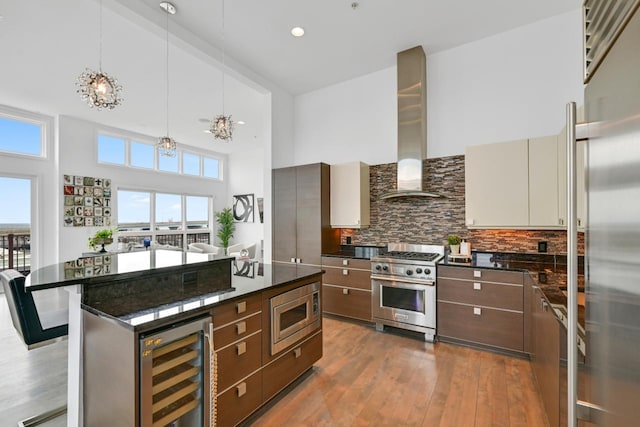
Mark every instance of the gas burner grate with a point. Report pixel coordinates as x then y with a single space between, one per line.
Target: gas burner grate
419 256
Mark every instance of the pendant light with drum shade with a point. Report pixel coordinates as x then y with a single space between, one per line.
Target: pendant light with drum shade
166 144
97 88
222 125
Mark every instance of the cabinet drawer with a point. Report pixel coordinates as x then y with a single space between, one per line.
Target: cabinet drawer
347 277
282 371
236 309
491 327
238 402
238 360
347 302
363 264
235 331
484 274
481 293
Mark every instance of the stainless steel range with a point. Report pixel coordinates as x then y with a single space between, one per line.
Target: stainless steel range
403 282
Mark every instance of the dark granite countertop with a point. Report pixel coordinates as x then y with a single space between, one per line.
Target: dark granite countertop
146 289
99 267
357 252
548 272
264 276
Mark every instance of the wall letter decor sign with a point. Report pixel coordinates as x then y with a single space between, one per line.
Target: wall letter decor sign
87 201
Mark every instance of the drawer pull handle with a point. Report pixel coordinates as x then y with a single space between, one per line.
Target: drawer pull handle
241 328
477 286
241 348
477 311
345 262
345 272
242 389
477 273
241 307
297 352
345 291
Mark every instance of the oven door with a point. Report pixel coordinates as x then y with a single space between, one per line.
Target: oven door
294 315
404 301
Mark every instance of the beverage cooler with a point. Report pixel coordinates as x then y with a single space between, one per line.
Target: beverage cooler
175 376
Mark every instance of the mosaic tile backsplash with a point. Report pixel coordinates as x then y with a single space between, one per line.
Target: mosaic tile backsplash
431 220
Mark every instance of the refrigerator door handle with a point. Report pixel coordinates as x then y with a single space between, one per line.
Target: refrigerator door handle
572 269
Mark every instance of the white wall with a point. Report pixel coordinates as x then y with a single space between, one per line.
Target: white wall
78 156
509 86
246 176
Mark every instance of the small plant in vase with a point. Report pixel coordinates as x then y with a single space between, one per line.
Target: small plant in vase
454 243
102 237
226 227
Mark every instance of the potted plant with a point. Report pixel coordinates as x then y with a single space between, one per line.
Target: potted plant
101 237
226 227
454 243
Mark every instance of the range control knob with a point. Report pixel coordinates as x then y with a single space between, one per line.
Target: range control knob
409 272
385 267
427 271
418 270
378 267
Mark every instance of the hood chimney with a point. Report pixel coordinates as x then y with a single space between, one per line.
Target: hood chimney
412 123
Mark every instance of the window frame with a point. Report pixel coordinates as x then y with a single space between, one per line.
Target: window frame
45 123
153 232
128 138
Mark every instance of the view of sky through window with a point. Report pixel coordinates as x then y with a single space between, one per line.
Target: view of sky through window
20 137
18 190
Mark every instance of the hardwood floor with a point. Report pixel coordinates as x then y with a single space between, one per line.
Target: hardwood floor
366 378
31 382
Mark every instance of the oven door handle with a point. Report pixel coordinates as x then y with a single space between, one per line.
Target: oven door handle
400 279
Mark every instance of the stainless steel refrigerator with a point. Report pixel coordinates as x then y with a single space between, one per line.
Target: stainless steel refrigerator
606 390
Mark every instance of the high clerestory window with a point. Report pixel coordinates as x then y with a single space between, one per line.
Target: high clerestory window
127 152
22 133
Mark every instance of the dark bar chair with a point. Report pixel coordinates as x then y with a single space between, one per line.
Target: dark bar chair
29 324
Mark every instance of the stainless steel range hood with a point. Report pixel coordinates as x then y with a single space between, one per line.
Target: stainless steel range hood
412 124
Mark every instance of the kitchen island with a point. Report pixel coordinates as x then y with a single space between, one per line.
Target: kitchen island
143 293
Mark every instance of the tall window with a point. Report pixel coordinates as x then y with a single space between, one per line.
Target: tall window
15 224
166 219
21 136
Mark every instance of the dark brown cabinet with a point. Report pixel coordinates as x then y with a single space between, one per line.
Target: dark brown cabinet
301 214
346 287
248 375
481 306
237 336
545 355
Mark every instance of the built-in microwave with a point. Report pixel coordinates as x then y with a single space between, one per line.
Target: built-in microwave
294 315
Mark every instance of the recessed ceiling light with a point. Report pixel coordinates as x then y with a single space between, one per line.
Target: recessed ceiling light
240 122
297 31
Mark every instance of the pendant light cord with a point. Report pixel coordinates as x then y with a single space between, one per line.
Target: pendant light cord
167 68
223 57
100 43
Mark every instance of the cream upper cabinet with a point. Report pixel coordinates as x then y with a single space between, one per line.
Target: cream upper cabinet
350 195
497 180
544 173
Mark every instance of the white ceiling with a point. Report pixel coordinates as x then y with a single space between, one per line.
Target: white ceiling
45 45
341 43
